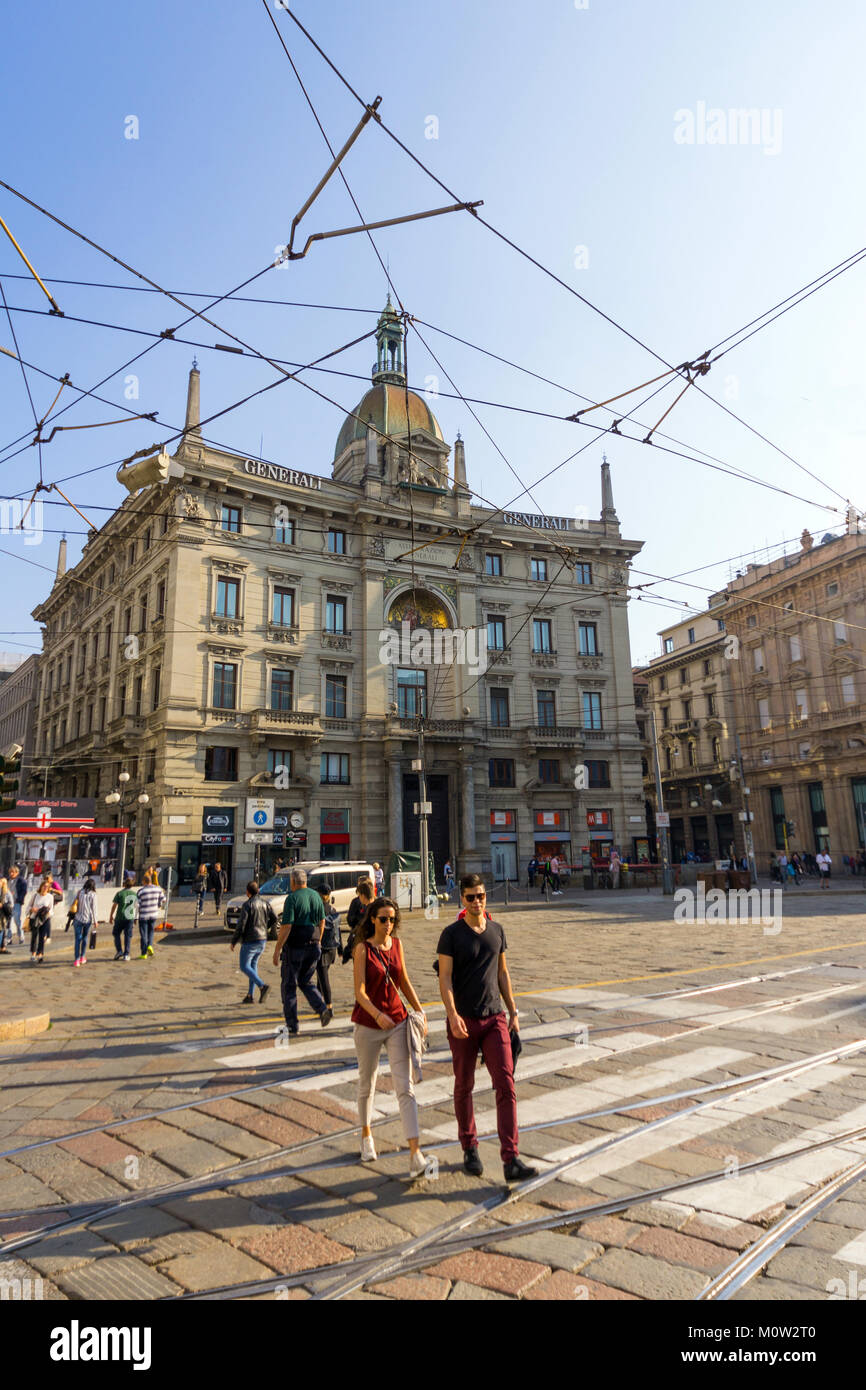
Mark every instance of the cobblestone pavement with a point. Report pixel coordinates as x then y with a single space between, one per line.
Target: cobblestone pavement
169 1034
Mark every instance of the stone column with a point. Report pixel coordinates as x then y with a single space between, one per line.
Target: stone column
395 806
470 859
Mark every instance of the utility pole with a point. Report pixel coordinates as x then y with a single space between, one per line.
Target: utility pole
423 809
747 826
664 846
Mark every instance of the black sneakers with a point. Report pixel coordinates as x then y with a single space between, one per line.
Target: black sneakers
472 1163
263 993
516 1170
326 1015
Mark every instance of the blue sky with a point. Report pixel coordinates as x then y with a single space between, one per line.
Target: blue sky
563 121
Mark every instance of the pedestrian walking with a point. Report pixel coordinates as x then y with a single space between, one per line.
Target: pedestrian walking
531 870
151 901
298 950
448 871
332 944
473 978
544 874
378 879
84 921
39 908
615 867
364 895
255 919
7 904
824 862
201 886
218 881
124 907
18 883
381 1020
555 870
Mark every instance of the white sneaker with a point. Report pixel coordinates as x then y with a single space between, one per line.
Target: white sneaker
368 1150
417 1165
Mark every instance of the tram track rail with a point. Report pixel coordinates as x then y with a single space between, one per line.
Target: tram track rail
236 1174
569 1030
458 1245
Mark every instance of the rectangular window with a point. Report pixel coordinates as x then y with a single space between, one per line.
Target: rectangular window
282 690
147 539
591 709
588 639
720 624
758 658
668 645
687 710
501 772
127 621
832 590
279 762
495 634
708 667
231 518
336 541
795 647
150 766
546 706
493 565
801 704
691 634
764 713
548 770
334 767
711 706
108 639
121 699
666 716
542 635
283 606
225 685
221 765
840 632
684 675
411 693
499 715
583 573
598 774
136 705
538 569
228 597
102 713
157 677
335 614
160 599
335 697
284 532
849 694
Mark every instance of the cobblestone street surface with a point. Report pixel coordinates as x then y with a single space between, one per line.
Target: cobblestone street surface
179 1147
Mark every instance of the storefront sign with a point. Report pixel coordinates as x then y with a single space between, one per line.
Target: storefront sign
277 474
334 827
598 818
49 815
218 825
260 813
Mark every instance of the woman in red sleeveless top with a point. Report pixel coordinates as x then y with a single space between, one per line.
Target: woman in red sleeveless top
380 1020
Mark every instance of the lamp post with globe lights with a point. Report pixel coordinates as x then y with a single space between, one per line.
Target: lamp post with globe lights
115 798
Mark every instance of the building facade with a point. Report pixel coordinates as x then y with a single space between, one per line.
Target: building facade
689 695
17 707
258 630
799 625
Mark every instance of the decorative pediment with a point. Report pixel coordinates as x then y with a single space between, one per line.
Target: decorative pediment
844 662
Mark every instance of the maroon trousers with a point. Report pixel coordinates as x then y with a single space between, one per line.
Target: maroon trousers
490 1035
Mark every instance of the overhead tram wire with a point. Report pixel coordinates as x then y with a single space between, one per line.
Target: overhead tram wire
24 375
526 255
194 294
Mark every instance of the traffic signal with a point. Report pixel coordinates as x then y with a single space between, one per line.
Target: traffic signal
9 780
791 826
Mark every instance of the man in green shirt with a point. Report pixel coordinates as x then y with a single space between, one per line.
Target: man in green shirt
298 951
125 904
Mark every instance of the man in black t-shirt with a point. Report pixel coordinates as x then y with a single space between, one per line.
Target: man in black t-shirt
472 977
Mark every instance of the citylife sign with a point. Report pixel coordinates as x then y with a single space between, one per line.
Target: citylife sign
540 523
276 473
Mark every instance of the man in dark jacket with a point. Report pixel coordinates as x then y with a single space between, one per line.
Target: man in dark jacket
255 917
219 882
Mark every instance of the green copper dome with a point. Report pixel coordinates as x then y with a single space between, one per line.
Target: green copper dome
387 402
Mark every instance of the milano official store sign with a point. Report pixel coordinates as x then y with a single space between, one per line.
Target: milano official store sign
47 815
218 825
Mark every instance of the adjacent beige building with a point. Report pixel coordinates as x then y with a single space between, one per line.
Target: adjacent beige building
252 629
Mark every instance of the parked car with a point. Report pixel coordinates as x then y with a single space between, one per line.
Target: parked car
342 875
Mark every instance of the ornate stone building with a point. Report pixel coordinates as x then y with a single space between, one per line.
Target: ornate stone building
256 629
800 630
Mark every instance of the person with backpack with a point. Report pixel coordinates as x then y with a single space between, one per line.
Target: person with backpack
39 909
125 905
332 945
364 895
18 884
255 919
151 901
84 921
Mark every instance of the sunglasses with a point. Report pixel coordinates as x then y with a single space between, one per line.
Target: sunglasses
472 897
386 919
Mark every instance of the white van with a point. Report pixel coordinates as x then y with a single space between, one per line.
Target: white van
342 875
